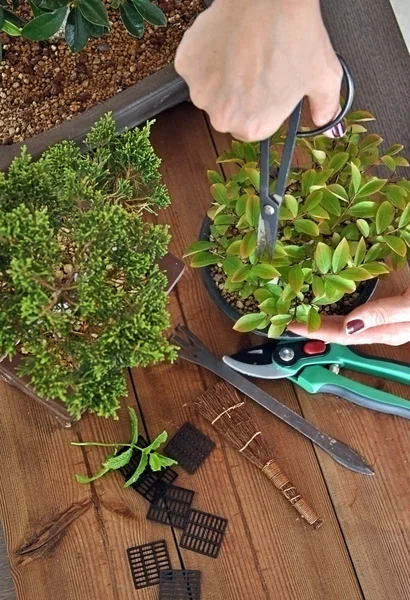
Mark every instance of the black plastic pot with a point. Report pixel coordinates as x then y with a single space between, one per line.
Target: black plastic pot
367 291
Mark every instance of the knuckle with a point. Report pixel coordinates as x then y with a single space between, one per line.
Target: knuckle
379 316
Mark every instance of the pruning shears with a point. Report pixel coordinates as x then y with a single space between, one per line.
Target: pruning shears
270 203
315 366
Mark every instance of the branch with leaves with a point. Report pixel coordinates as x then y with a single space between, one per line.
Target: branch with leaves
339 226
120 457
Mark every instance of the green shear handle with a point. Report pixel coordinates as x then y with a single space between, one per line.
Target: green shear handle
316 378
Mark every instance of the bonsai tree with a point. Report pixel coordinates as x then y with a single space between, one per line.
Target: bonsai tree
340 226
82 296
80 20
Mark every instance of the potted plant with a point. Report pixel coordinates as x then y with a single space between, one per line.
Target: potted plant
82 295
341 228
117 61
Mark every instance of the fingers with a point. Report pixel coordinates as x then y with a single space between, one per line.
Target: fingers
324 98
378 313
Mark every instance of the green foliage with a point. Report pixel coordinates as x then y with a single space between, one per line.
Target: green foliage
84 19
339 225
123 453
81 290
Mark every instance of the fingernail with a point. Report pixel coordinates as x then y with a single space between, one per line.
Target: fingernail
338 131
354 326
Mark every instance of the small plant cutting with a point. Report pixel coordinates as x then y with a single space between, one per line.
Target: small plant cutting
81 294
123 452
340 226
80 20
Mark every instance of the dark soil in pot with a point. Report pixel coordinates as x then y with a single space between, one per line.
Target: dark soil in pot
44 83
213 278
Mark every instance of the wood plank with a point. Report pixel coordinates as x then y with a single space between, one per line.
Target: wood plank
85 529
268 553
7 591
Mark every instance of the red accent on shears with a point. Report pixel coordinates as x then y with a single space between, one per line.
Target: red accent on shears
314 347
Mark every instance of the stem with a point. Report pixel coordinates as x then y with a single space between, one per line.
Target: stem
100 444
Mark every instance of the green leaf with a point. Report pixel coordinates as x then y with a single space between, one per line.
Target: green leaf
95 12
150 12
356 274
95 31
371 187
399 262
248 244
356 179
360 252
363 227
384 216
268 306
265 271
9 27
1 17
396 195
396 244
281 320
139 471
134 425
319 156
292 205
196 247
76 32
389 162
133 22
341 284
262 294
252 210
370 141
241 274
376 252
307 226
318 286
323 257
159 440
276 331
241 205
249 322
254 176
273 288
338 161
319 213
406 236
219 193
204 259
308 179
375 268
331 203
234 247
296 278
366 209
158 461
401 161
394 149
214 176
338 191
313 200
84 479
45 25
405 217
116 462
359 116
341 256
313 320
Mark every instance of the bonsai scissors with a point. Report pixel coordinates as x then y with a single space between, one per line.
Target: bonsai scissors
270 203
314 366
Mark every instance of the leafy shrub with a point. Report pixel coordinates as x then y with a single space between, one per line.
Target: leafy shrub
83 19
340 225
81 294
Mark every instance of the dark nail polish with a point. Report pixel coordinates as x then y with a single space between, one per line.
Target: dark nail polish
354 326
338 131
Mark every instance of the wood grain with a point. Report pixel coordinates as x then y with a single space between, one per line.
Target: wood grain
268 552
7 591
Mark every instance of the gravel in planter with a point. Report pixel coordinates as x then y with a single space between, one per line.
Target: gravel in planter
44 83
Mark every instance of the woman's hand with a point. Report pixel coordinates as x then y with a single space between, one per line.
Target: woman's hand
248 64
384 321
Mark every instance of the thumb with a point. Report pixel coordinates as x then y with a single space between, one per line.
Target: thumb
379 312
324 98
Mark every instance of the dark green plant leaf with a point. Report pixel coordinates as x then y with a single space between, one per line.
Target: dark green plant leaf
405 217
252 210
1 17
51 5
396 194
254 176
241 205
231 264
323 257
405 235
150 12
376 252
313 200
313 320
214 177
338 191
341 256
95 12
338 161
133 22
241 274
355 181
13 19
248 244
366 209
263 271
396 244
318 286
307 226
319 213
10 28
218 191
331 203
234 248
204 259
384 216
249 322
262 294
371 187
139 471
196 247
76 32
308 179
116 462
45 25
296 278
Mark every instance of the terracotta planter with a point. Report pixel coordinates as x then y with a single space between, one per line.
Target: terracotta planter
143 100
233 314
173 268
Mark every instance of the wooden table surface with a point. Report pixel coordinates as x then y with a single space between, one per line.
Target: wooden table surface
69 541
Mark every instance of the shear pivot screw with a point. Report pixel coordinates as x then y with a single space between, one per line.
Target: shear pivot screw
286 354
335 369
269 210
